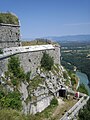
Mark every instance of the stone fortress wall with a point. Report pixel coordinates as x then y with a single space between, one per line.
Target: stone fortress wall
9 35
29 59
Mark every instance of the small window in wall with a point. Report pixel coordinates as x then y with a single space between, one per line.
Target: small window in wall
29 60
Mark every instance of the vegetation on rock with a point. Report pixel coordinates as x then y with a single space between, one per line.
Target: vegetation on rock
65 75
15 68
47 61
34 83
10 100
13 77
70 76
8 18
28 76
54 102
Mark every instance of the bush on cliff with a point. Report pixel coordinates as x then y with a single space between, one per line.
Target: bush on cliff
47 61
54 102
15 68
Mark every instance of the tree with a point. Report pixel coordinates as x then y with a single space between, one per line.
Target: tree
47 61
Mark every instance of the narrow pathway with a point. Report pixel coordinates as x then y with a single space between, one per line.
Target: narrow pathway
60 105
75 109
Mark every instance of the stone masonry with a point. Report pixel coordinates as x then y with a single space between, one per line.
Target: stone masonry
9 35
30 60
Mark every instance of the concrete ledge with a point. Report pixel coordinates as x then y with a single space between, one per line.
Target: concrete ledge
11 25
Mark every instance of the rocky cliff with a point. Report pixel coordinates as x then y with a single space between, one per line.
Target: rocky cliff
36 90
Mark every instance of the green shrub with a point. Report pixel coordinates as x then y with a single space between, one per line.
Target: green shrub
14 81
34 83
73 81
28 76
54 102
11 100
15 68
47 61
65 75
1 94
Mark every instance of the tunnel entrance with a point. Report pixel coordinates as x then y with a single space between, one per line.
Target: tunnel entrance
62 92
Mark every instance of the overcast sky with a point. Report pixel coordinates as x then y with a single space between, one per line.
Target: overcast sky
41 18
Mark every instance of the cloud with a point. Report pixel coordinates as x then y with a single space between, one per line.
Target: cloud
77 24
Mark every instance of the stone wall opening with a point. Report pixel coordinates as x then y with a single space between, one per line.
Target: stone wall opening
62 92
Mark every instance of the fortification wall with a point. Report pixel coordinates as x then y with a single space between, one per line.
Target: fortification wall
31 60
9 35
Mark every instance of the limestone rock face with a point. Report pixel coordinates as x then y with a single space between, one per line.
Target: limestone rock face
23 91
41 105
44 93
37 93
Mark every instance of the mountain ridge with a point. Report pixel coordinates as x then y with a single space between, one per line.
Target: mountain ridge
63 38
70 38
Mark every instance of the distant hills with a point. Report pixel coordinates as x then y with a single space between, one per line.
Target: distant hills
81 38
69 38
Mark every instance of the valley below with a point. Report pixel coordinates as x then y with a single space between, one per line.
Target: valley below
76 57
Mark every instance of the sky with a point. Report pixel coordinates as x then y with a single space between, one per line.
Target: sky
42 18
